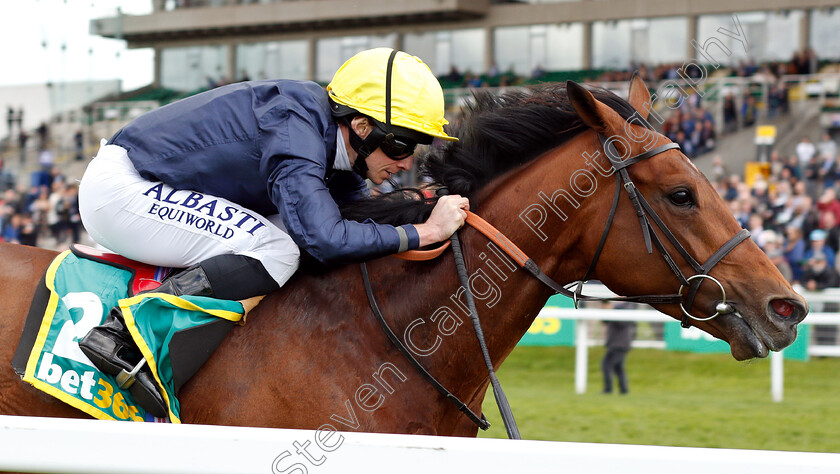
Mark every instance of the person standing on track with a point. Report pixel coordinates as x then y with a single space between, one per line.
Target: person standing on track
619 338
234 182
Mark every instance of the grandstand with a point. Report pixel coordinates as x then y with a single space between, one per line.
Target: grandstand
199 44
225 39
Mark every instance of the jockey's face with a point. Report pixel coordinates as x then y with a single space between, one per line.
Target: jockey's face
381 167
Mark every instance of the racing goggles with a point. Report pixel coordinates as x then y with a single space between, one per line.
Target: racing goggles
394 147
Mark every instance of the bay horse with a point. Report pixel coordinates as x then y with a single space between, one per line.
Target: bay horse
313 356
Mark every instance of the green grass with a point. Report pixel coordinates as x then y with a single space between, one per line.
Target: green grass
675 399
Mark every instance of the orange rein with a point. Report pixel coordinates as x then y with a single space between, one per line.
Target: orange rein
480 225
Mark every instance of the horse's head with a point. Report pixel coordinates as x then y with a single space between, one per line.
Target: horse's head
761 311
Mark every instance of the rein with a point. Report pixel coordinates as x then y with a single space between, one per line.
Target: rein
478 420
644 212
498 393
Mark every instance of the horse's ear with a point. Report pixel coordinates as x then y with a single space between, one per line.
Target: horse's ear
587 107
639 96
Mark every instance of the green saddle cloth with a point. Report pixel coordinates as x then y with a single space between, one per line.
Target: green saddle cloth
82 292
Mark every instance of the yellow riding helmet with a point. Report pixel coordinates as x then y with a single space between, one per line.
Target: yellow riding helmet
416 96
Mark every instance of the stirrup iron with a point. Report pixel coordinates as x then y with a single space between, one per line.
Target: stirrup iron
126 379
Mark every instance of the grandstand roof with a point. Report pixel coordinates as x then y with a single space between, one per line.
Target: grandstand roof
199 24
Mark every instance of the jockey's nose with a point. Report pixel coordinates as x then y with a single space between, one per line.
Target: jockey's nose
406 164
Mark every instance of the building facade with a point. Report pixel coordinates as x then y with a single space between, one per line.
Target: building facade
202 42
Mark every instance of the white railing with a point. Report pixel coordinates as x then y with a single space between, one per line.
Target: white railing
91 446
583 341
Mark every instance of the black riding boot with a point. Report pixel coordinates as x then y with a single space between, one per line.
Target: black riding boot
113 351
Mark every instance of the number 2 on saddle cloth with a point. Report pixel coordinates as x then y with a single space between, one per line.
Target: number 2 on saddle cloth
175 334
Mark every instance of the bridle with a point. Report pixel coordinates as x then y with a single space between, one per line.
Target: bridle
647 219
646 214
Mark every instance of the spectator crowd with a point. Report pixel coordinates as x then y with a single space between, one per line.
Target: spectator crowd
793 213
44 215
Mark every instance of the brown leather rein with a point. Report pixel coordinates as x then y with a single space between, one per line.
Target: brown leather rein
480 225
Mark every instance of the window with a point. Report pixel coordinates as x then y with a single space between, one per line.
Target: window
272 60
333 52
189 69
552 47
611 42
824 38
441 50
769 36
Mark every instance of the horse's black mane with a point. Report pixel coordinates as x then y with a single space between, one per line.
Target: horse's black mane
497 133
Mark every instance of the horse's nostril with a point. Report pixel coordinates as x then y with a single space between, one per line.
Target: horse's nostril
783 308
786 313
790 310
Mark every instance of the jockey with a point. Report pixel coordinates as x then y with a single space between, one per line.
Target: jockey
231 183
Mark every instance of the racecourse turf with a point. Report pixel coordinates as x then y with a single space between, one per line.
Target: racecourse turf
675 399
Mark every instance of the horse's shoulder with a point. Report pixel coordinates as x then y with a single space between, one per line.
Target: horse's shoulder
318 298
15 257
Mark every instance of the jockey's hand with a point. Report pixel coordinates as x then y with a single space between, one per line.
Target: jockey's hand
447 217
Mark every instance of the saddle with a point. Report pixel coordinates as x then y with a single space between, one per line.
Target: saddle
146 277
178 333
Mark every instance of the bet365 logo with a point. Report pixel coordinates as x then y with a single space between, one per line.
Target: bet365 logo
54 367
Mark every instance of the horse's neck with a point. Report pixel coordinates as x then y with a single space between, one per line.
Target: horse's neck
507 298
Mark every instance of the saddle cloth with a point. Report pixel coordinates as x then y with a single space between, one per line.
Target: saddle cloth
75 295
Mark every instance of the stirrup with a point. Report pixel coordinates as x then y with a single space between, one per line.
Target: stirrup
112 351
143 389
126 379
146 393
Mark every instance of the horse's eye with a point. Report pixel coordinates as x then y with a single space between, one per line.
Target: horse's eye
681 198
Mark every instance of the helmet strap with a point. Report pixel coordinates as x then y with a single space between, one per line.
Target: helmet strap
360 167
389 70
364 147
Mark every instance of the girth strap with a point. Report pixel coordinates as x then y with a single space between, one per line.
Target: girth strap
481 421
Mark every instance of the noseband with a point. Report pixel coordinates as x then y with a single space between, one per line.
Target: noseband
645 214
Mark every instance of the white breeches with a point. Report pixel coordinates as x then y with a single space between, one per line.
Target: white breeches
152 223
